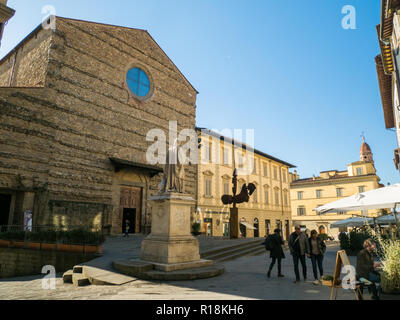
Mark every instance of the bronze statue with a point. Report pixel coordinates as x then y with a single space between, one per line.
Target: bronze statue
174 171
243 196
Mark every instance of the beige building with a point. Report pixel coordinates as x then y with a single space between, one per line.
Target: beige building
308 194
77 103
269 206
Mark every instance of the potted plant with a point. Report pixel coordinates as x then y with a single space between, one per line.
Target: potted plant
390 272
196 229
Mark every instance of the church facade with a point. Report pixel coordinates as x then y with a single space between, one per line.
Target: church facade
310 193
76 104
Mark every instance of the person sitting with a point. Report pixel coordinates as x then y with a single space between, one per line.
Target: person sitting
367 268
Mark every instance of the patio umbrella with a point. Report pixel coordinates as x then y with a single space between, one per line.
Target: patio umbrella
382 198
389 219
352 222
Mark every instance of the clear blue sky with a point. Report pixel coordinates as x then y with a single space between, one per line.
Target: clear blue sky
286 69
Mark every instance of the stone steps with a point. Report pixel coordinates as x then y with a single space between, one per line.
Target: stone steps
235 251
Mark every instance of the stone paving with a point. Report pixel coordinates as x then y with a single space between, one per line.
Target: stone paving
245 278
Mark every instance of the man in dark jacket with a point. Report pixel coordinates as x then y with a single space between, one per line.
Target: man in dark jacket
366 267
299 248
275 247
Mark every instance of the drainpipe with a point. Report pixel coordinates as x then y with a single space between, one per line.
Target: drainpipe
12 69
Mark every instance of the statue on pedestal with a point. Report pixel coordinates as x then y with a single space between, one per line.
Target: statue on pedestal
174 171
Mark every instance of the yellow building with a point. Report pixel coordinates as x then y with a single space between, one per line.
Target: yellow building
269 206
308 194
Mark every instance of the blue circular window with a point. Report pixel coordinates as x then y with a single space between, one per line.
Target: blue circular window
138 82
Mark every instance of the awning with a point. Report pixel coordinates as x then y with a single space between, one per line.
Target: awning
385 88
352 222
121 163
248 225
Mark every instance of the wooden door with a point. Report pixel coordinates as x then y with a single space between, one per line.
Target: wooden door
131 198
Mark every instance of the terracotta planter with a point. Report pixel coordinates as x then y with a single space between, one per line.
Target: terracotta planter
33 245
91 249
18 244
48 246
327 283
4 243
99 250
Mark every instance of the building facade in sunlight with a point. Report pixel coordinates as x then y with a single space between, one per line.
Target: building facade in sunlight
388 68
269 206
76 104
310 193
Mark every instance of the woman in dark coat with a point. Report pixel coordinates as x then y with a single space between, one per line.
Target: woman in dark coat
275 243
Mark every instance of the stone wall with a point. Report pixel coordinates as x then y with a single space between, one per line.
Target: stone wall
24 262
56 141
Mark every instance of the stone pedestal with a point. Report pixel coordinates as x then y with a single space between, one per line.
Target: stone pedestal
234 223
170 246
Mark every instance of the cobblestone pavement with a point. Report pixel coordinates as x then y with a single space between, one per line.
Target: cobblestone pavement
245 278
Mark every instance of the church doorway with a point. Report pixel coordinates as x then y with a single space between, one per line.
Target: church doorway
130 208
5 205
129 215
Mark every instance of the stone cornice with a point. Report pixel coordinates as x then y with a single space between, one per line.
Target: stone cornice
5 13
326 182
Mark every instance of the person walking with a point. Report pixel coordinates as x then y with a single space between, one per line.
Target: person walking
274 245
127 228
299 248
317 251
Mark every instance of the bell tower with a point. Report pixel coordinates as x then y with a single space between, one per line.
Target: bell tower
365 152
6 14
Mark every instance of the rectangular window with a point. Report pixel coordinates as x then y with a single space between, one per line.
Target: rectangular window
226 156
226 187
284 175
275 173
285 198
359 171
255 167
300 195
301 211
361 189
208 187
265 170
276 197
318 193
206 153
255 199
267 197
339 192
341 212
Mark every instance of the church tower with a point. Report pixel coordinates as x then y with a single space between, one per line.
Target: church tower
366 153
6 14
